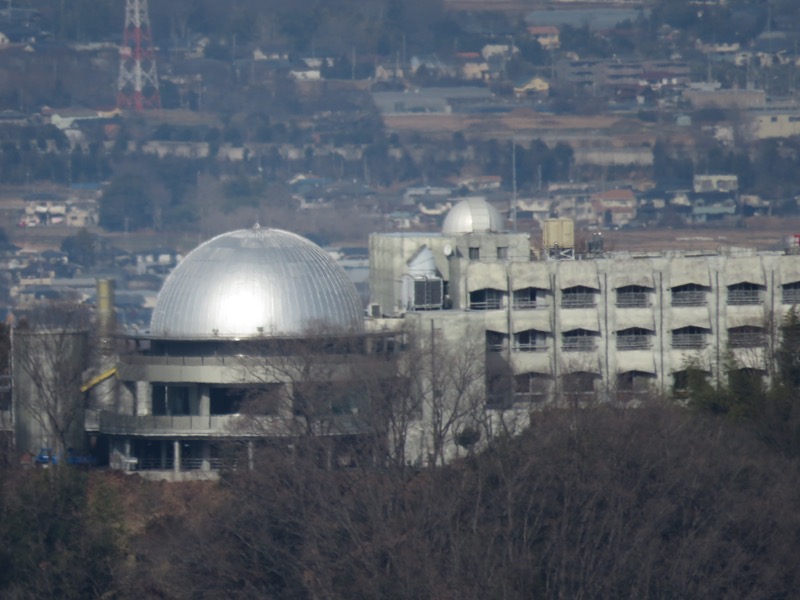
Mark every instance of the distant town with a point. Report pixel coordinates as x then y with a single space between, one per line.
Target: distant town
626 117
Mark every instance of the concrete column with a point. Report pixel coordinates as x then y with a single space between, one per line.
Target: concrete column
205 400
205 450
144 398
250 455
194 400
163 445
176 453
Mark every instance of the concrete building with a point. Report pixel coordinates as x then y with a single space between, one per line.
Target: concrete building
244 326
605 324
258 337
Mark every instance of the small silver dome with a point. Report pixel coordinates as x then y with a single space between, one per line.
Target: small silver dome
255 282
472 215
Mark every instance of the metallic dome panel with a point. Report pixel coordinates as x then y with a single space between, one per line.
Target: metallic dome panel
255 282
472 215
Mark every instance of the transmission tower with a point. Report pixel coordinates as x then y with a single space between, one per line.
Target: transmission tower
137 84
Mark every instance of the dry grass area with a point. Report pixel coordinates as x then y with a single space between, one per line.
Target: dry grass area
522 122
761 233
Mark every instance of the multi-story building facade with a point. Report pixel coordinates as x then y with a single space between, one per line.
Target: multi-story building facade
601 324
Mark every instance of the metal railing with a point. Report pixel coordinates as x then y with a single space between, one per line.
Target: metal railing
688 340
529 304
578 300
530 397
492 304
578 344
744 297
633 300
174 424
633 342
791 296
226 425
183 361
746 340
186 464
495 347
530 347
693 298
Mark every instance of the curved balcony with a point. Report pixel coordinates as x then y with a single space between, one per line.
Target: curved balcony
230 426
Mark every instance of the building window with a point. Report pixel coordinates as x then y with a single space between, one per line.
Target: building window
683 381
746 337
502 252
486 299
689 337
633 296
745 293
474 253
579 340
634 384
529 298
579 385
530 341
791 293
578 297
495 341
634 338
531 387
690 294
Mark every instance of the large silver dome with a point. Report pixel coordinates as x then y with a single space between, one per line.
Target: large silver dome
255 282
472 215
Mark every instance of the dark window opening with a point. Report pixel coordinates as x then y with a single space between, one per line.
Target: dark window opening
227 401
684 380
531 387
474 253
746 337
580 383
634 384
634 338
579 340
170 400
578 297
690 337
633 296
745 293
690 294
486 299
529 298
530 340
791 293
495 341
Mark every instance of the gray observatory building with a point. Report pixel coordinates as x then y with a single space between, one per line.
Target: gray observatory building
229 352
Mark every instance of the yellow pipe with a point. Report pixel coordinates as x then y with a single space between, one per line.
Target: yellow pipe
100 378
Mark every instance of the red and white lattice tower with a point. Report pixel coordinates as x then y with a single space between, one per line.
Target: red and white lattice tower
137 85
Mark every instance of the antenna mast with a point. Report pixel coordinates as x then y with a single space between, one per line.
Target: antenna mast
137 84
